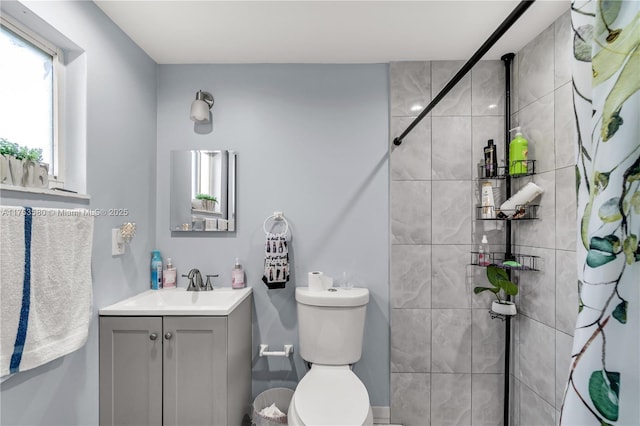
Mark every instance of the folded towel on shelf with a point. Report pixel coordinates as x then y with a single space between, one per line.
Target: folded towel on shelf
45 284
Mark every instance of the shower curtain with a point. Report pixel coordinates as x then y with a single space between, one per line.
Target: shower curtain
604 375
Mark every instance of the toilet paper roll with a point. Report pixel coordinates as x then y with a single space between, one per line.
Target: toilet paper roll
319 282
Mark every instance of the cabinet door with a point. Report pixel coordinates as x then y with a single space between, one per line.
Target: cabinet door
195 371
130 371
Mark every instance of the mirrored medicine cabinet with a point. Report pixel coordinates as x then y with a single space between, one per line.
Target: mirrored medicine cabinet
203 191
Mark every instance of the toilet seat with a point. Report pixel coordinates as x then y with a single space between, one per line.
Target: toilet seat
331 395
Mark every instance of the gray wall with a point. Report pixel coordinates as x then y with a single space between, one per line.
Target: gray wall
120 164
312 141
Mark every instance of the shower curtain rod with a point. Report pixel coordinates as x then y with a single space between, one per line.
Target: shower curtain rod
493 38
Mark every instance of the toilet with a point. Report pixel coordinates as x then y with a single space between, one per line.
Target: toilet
330 329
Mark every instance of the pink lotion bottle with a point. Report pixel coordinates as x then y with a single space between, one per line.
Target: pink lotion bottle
237 275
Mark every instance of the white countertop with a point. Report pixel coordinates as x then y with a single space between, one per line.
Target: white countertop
219 302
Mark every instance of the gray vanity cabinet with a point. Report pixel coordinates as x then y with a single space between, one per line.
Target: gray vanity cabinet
176 370
131 371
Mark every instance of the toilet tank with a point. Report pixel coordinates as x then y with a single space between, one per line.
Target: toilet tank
331 324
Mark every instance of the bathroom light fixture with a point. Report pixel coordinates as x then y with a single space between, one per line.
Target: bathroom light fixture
201 106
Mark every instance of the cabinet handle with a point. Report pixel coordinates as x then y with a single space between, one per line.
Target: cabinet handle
168 335
153 336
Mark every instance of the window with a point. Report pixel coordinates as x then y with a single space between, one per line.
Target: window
28 92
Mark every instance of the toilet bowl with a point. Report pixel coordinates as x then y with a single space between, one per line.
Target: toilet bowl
330 395
330 329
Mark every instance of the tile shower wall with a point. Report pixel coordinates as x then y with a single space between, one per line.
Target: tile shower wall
447 355
548 300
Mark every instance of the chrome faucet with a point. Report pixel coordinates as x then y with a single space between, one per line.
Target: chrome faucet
195 280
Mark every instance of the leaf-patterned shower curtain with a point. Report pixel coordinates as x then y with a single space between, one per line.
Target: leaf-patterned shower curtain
603 386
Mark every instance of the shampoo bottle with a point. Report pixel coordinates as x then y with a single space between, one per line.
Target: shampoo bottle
518 154
490 165
169 275
237 275
156 270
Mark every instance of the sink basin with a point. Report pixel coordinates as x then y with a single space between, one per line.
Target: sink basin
219 302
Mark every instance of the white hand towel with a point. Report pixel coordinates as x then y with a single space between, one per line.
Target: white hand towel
45 284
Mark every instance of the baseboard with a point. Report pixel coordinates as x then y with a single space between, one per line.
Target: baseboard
381 415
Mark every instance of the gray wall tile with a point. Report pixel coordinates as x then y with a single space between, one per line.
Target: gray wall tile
451 212
541 232
566 291
487 88
515 83
535 411
515 350
451 399
564 343
537 122
410 340
458 100
410 85
564 127
487 344
514 401
485 401
451 330
450 148
449 286
537 358
410 212
566 218
410 276
410 399
412 159
563 52
536 298
535 68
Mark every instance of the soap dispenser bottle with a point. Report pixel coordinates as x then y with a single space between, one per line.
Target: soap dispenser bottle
237 275
518 154
169 275
484 255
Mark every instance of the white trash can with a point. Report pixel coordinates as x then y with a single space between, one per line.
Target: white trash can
281 397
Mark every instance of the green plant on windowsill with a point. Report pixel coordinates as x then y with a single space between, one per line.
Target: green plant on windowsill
33 154
8 148
502 288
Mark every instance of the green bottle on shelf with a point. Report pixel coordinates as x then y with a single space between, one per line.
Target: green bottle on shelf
518 154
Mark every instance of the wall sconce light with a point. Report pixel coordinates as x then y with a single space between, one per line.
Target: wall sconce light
201 106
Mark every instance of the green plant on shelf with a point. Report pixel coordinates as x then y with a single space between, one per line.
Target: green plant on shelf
502 286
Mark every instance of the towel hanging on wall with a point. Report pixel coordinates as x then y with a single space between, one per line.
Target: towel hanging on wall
276 254
45 285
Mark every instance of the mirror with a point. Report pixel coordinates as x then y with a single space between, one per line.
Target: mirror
203 191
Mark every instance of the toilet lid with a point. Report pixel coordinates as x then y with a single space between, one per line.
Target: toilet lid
329 395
